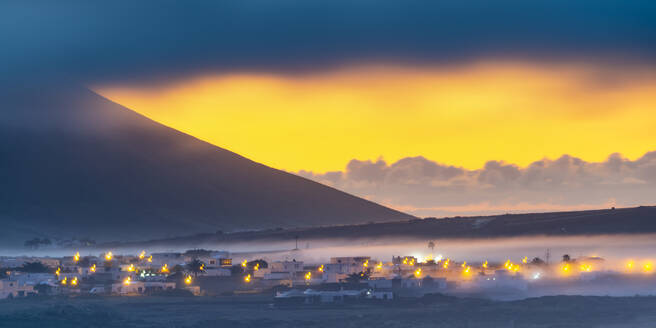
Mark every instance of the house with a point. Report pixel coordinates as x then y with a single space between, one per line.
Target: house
283 270
310 296
384 295
34 279
154 286
12 288
129 288
217 272
379 283
503 280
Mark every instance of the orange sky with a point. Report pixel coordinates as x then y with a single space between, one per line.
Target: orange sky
465 116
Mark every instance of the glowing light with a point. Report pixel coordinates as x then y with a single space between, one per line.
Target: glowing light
256 267
92 268
74 281
585 267
405 260
76 257
466 271
525 260
565 268
142 255
511 266
165 268
365 264
446 263
58 271
379 266
484 265
320 269
647 267
464 264
495 107
150 259
630 264
188 280
127 281
64 281
131 268
412 262
108 256
308 275
536 276
244 263
247 278
418 272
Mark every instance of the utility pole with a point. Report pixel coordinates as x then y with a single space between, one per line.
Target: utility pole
547 256
296 237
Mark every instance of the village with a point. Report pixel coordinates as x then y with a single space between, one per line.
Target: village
202 272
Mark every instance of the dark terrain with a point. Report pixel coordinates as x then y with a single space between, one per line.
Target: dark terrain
256 311
74 164
637 220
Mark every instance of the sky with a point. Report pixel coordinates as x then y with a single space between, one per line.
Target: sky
526 105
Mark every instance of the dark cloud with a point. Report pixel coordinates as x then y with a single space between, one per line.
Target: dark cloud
90 41
425 187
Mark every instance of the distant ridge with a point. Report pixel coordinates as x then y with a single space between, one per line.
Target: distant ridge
74 164
635 220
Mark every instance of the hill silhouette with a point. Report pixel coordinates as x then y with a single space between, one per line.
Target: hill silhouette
74 164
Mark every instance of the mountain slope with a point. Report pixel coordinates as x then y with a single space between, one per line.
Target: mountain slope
74 164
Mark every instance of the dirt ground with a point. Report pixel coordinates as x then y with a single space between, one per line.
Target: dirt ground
258 311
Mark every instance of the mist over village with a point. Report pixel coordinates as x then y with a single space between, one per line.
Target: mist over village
328 164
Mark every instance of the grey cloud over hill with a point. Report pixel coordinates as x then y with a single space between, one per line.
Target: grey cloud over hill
426 187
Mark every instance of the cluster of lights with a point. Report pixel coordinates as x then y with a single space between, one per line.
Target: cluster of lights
247 278
409 261
646 267
511 266
446 263
65 281
585 267
320 269
308 276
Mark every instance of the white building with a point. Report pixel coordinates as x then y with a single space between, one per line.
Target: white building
131 288
217 272
34 279
283 270
12 288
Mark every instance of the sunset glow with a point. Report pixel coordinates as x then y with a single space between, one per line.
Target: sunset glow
462 116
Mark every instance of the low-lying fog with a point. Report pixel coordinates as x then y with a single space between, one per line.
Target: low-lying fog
616 250
610 247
